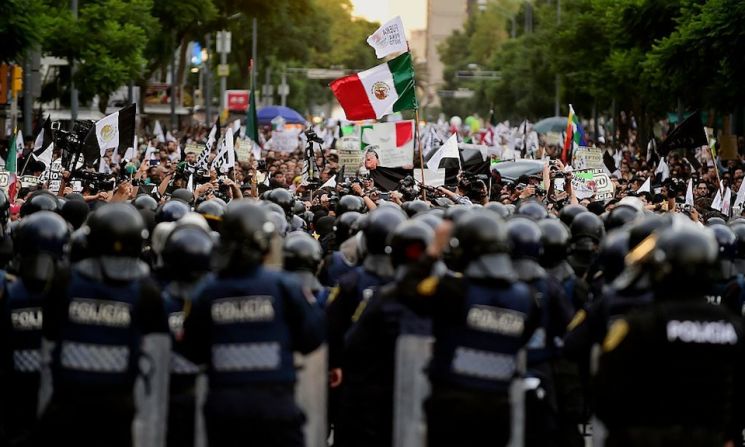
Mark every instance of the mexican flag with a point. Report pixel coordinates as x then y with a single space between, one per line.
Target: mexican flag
379 91
11 165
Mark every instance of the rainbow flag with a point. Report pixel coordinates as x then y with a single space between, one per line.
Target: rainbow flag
575 136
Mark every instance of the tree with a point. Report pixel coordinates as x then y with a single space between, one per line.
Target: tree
107 43
19 27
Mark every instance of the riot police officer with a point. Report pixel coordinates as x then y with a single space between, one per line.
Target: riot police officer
727 242
245 326
186 258
544 421
555 241
587 230
337 264
301 255
40 242
480 321
670 373
366 416
106 319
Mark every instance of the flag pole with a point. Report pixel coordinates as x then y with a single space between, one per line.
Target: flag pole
28 158
419 145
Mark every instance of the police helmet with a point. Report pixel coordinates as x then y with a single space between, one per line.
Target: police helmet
213 211
187 253
298 208
75 212
415 206
40 201
116 230
246 238
283 198
478 246
533 210
432 220
4 208
301 252
408 242
171 211
569 212
587 224
524 237
739 229
642 228
498 208
343 227
183 195
612 254
350 203
620 216
379 224
726 240
145 201
682 259
455 212
555 240
40 243
79 244
715 220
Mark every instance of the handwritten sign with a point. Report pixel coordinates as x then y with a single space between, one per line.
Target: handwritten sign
587 158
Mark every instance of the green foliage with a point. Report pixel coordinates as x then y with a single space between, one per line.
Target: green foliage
19 27
644 54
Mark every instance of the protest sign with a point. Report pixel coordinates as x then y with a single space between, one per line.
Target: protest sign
587 158
243 148
394 143
55 175
587 183
284 140
194 147
350 161
27 181
431 178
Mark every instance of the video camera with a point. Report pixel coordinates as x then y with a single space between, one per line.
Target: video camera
71 141
408 188
310 134
94 181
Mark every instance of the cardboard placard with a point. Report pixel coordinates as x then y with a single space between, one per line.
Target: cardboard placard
393 142
350 160
587 158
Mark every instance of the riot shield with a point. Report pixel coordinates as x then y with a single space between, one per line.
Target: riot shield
310 394
200 395
598 429
151 392
518 387
411 388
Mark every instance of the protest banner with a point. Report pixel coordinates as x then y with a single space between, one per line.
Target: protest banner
587 158
243 148
394 143
587 183
284 140
431 177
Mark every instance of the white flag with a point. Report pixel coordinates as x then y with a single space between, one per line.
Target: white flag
211 137
170 137
740 199
236 126
158 132
229 141
190 183
689 193
663 169
447 150
389 38
646 186
149 152
330 183
726 207
716 204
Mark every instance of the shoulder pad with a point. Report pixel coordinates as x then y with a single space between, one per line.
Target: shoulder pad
616 334
333 294
578 319
428 286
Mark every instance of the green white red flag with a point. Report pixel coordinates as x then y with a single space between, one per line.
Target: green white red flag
384 89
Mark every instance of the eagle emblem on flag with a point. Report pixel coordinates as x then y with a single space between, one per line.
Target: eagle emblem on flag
107 132
381 90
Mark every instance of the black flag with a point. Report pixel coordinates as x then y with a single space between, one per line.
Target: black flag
115 131
689 135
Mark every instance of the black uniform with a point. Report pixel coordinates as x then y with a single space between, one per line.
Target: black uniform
669 376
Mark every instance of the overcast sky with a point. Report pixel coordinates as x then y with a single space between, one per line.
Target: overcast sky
412 12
